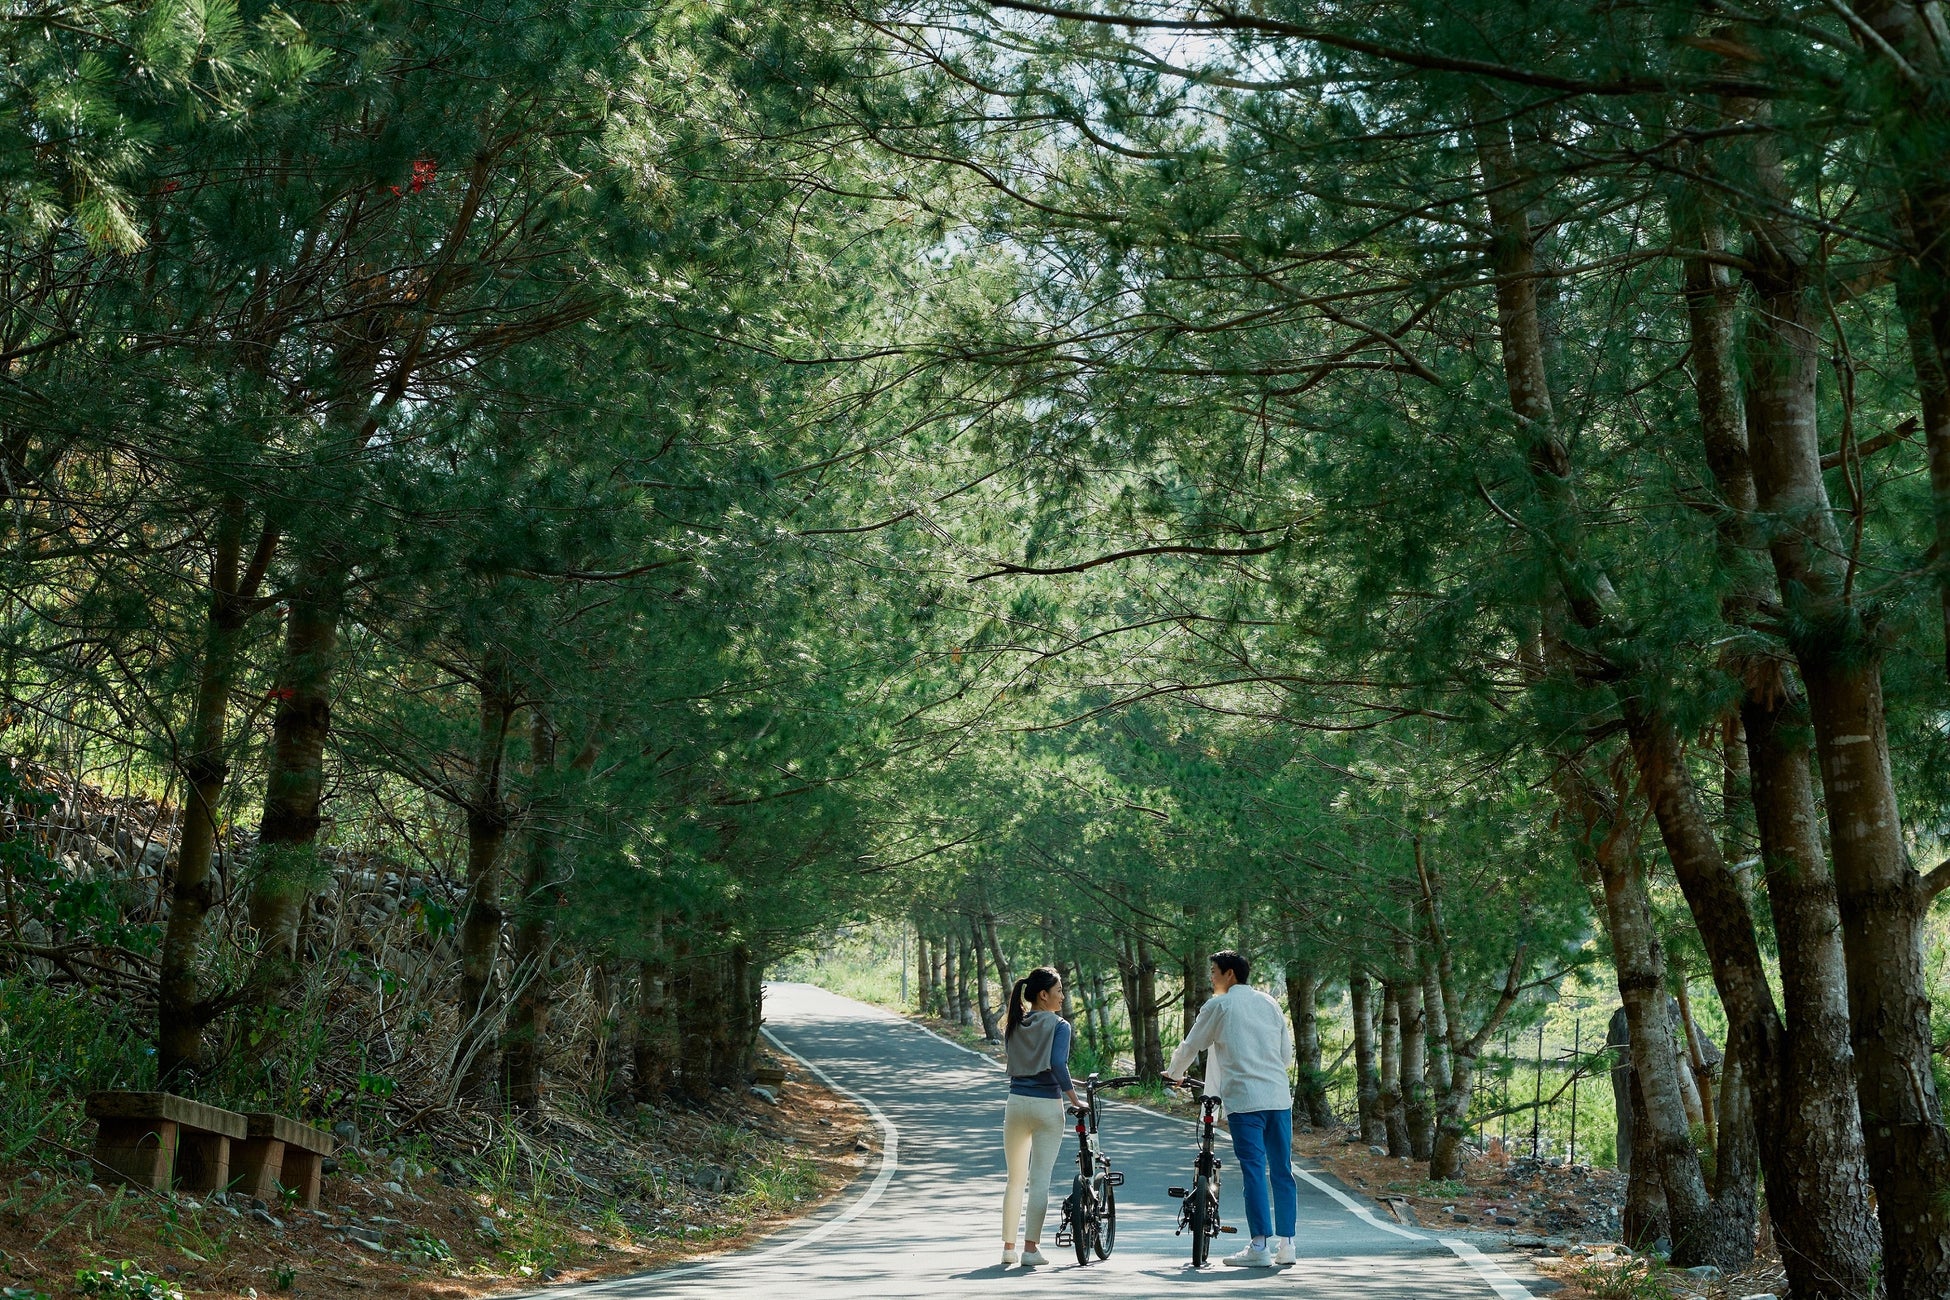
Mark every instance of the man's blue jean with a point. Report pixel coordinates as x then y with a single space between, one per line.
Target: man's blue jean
1262 1142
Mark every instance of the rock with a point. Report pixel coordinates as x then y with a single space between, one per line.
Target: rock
1704 1272
861 1145
219 1198
456 1168
328 1166
367 1242
1505 1221
397 1169
346 1132
266 1218
486 1225
94 1189
764 1094
1377 1151
394 1188
1760 1295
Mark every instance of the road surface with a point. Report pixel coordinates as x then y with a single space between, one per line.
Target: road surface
927 1222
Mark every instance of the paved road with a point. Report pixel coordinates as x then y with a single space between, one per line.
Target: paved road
928 1222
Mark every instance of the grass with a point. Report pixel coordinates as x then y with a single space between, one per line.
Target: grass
1636 1279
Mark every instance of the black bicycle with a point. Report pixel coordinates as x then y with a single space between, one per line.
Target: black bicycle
1198 1210
1090 1210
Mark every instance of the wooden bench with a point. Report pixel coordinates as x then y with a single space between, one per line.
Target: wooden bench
280 1153
157 1139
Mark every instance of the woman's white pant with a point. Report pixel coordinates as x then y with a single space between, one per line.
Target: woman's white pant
1032 1137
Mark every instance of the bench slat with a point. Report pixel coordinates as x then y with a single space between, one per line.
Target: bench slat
291 1132
166 1106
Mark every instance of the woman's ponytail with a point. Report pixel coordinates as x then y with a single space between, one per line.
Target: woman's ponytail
1027 990
1016 1008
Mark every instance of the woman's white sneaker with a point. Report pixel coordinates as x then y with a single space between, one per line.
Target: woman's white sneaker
1008 1258
1286 1254
1033 1258
1251 1257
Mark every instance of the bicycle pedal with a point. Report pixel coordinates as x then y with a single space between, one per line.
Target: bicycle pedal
1176 1193
1114 1179
1063 1238
1227 1228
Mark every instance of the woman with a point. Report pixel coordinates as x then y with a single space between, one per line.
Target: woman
1038 1045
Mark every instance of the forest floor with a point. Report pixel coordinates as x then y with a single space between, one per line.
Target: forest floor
1564 1219
566 1201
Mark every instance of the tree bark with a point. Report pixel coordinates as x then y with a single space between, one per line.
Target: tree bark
1801 1097
650 1032
286 870
1417 1117
990 1029
532 977
1367 1077
1394 1119
180 1012
1004 978
1310 1092
1879 894
478 1012
1718 906
1152 1064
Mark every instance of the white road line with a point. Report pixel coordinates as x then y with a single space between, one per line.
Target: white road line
890 1144
1500 1282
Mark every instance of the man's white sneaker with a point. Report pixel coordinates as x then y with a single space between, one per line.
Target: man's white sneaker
1008 1257
1286 1254
1033 1258
1251 1257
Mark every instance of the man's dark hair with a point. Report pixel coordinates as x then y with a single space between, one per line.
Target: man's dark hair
1232 962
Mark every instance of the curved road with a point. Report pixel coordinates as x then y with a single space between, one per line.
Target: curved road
927 1222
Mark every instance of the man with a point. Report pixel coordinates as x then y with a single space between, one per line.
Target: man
1250 1051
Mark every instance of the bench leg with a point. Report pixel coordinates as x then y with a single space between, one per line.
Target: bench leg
202 1161
256 1164
300 1174
139 1151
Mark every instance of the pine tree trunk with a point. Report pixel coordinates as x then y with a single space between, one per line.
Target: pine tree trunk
1644 1219
1302 996
1152 1064
1655 1061
1802 1096
478 1013
951 980
533 957
286 868
1879 894
1416 1117
991 1030
1367 1077
923 971
1719 907
180 1015
650 1032
1003 977
1393 1117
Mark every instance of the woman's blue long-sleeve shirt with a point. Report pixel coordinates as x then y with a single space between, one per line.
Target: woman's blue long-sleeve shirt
1055 1081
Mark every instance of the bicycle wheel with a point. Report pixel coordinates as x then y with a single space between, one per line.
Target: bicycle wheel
1201 1223
1083 1217
1104 1239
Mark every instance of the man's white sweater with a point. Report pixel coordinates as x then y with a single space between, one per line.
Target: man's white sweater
1249 1051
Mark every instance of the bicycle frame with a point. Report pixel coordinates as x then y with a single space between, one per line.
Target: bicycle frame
1198 1212
1089 1222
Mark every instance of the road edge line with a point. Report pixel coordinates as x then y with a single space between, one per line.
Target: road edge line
1506 1286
